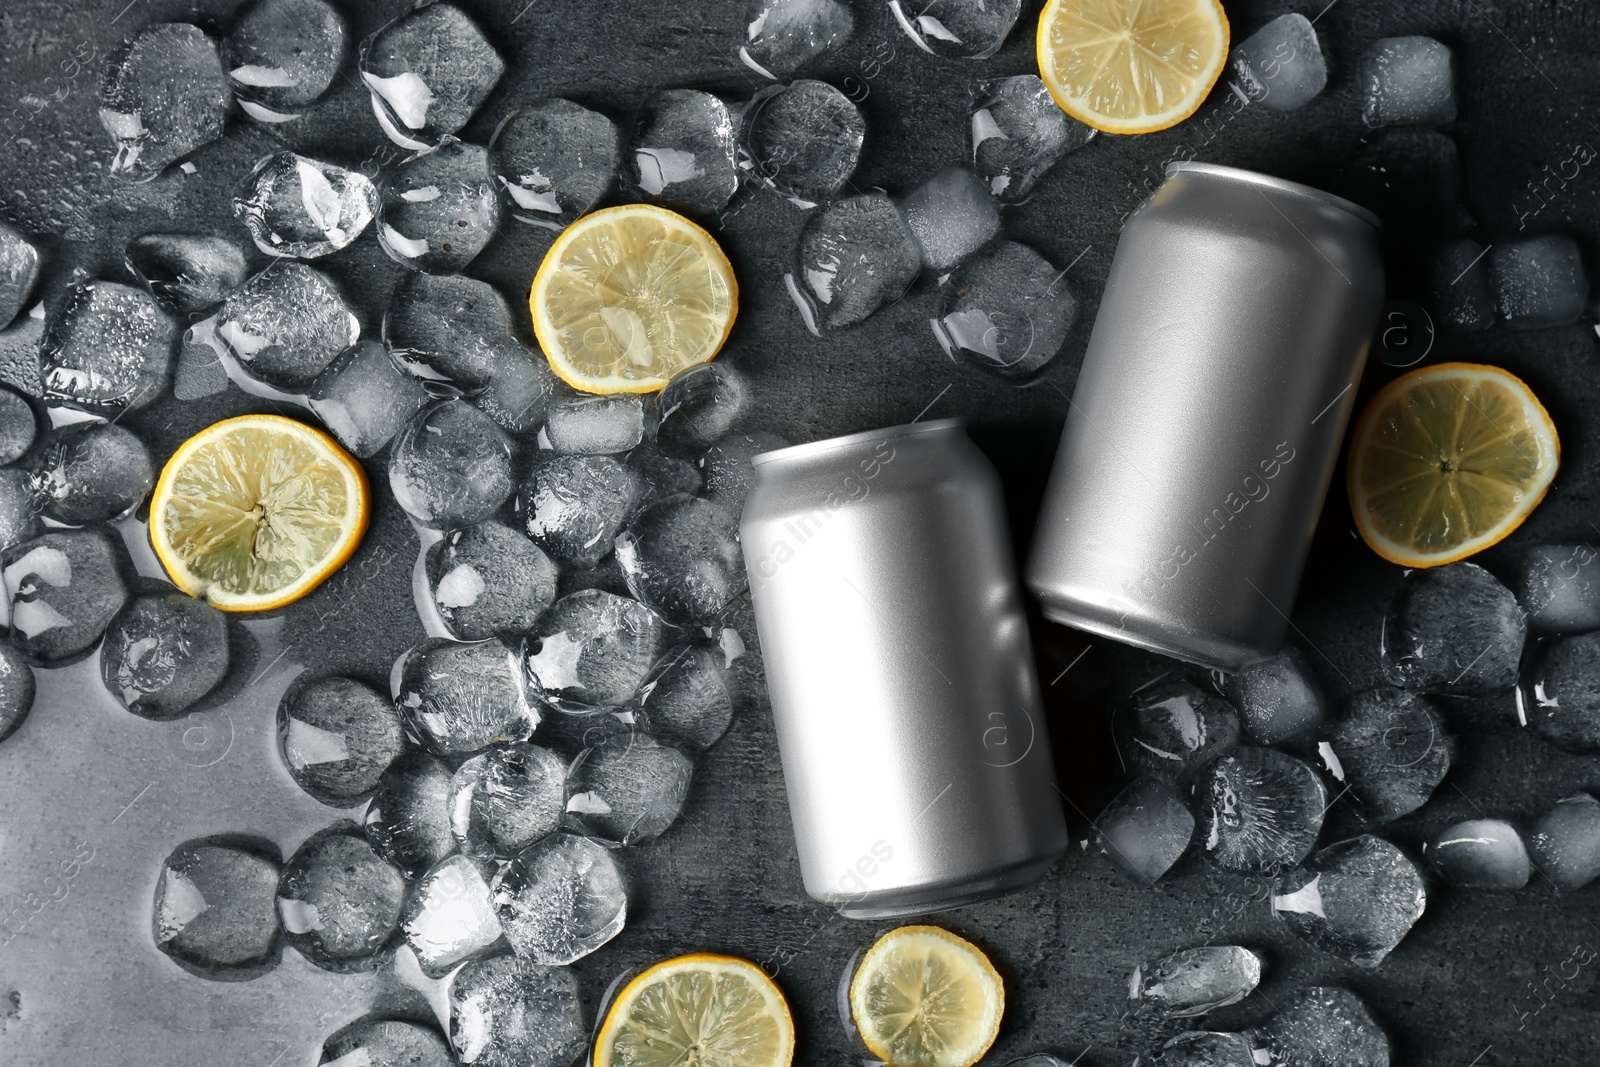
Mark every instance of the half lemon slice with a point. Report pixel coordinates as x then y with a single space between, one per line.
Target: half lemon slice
700 1010
255 512
923 997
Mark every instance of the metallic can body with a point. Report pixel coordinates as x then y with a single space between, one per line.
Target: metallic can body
907 709
1207 419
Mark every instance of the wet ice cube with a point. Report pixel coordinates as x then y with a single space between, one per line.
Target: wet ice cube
552 161
1171 727
19 355
685 700
682 152
283 55
19 509
951 215
682 558
364 398
462 698
450 916
89 472
451 466
579 425
163 653
1564 841
63 588
428 71
296 206
1017 133
489 579
519 390
1205 1048
697 408
1479 854
627 789
1280 66
337 737
728 470
408 821
781 36
439 209
1145 829
1558 586
286 325
573 506
1453 629
1459 275
1279 698
19 271
162 95
562 899
1195 981
513 1012
107 348
16 689
964 29
375 1042
339 901
448 328
1408 81
214 910
1355 899
1006 310
1259 810
802 139
18 426
659 476
1560 693
188 272
1322 1026
593 649
1539 282
856 255
506 798
1391 750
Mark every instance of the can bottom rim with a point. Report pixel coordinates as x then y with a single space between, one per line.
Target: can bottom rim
924 900
1148 634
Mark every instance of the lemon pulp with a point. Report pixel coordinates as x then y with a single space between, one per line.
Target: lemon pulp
698 1011
923 997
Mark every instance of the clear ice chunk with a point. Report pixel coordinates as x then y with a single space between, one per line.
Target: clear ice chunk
1564 841
1205 1048
285 325
1558 586
1539 282
374 1042
62 590
301 207
659 476
561 899
89 472
574 506
215 913
802 139
1355 899
1007 310
1479 854
1459 278
364 398
448 329
19 355
552 161
1195 981
1390 750
856 255
506 798
1408 81
1560 693
519 390
781 36
513 1012
187 272
1172 727
697 408
18 426
107 348
1322 1026
681 557
16 689
408 821
451 466
1259 810
283 54
1145 829
338 736
1017 132
162 95
1280 66
19 510
627 789
727 468
488 579
593 649
462 698
951 215
439 209
961 29
684 701
339 901
164 653
683 151
19 272
450 916
581 425
1453 629
1278 699
428 72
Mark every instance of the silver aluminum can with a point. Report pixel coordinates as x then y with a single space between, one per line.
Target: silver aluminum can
903 689
1207 419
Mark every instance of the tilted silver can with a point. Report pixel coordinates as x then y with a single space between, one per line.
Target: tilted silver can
897 656
1207 419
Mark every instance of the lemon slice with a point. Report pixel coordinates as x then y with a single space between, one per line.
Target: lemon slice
700 1010
254 512
923 997
1447 460
1131 66
629 296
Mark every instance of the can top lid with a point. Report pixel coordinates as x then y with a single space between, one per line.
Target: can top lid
829 444
1282 185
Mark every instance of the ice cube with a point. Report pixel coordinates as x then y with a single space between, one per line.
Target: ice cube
1280 66
513 1012
89 472
339 901
1195 981
1006 310
552 161
856 255
1391 750
214 911
580 425
520 387
781 36
963 29
19 272
450 917
19 355
462 698
296 206
1408 81
1539 282
951 215
337 737
1453 629
107 348
1205 1048
283 55
428 72
489 579
1259 809
163 653
682 152
573 506
1017 133
1558 586
187 272
374 1042
681 557
1279 698
697 408
408 821
16 689
1355 899
802 139
451 466
1560 693
659 476
727 468
684 701
1172 727
448 328
1322 1026
19 510
364 398
1459 277
562 899
162 95
506 798
18 426
627 789
1479 854
593 649
63 588
1145 829
439 209
286 325
1564 841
